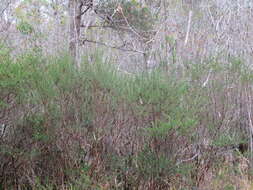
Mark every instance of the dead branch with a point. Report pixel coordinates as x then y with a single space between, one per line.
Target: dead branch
121 48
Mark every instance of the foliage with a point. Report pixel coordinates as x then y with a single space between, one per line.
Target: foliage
25 28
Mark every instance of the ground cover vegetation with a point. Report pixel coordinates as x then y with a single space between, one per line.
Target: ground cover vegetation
126 95
97 128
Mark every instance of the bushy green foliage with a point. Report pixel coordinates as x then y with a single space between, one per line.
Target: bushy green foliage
25 28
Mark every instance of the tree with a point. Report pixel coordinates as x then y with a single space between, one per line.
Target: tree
4 20
128 18
75 15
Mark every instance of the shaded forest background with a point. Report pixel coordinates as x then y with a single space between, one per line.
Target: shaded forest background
126 94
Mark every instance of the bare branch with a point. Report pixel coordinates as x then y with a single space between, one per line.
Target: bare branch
95 26
5 8
119 9
189 159
188 28
111 46
207 79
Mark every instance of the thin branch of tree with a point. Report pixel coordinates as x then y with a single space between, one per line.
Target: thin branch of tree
96 26
121 48
5 8
207 79
188 28
119 9
189 159
84 11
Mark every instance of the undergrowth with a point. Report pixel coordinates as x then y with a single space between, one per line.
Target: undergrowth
96 128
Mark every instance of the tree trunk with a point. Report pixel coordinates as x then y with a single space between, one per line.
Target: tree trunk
75 8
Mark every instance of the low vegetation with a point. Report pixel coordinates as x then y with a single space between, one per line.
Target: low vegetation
98 128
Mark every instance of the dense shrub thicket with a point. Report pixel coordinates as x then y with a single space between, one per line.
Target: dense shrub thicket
96 128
